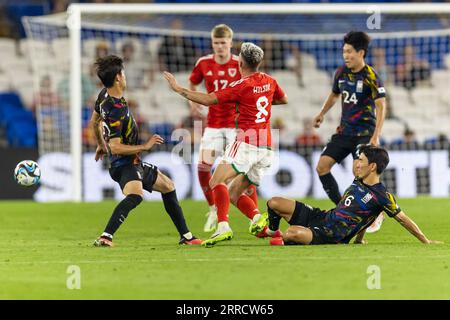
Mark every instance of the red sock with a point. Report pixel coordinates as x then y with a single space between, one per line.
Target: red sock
204 175
222 198
247 206
251 192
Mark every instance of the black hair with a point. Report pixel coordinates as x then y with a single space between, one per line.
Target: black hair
358 40
108 68
376 155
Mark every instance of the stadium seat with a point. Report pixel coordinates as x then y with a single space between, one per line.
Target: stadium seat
32 45
139 50
59 47
164 130
392 129
19 123
10 98
22 133
7 46
447 60
89 46
5 84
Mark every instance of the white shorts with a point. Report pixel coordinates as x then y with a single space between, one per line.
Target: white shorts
250 160
217 139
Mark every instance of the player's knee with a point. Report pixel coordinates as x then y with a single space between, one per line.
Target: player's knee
213 183
167 185
289 235
274 203
234 195
294 235
204 167
133 200
322 168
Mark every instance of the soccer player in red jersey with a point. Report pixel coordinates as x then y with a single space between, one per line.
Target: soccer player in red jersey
217 71
250 156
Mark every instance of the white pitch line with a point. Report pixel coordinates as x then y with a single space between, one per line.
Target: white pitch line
300 258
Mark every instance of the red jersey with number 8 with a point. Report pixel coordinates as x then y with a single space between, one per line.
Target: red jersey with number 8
217 77
253 96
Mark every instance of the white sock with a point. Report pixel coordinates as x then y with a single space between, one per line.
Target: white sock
223 226
256 217
105 234
270 232
188 235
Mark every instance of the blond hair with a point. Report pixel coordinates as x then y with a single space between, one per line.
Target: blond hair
222 31
252 54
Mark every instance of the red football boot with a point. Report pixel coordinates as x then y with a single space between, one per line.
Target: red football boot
278 241
192 241
103 242
264 234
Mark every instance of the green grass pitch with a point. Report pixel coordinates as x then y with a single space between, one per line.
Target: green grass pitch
38 242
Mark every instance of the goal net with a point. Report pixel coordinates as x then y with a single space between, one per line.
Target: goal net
303 47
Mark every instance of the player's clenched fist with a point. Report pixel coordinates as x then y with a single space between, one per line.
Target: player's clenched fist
318 121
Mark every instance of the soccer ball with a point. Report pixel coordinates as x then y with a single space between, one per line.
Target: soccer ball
27 173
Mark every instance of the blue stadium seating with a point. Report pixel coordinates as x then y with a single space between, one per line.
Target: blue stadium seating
21 129
164 130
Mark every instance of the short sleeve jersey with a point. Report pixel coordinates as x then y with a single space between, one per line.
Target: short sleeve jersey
359 91
217 77
118 122
359 207
252 97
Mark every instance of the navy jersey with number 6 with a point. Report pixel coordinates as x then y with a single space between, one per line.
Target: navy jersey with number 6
359 91
358 208
118 122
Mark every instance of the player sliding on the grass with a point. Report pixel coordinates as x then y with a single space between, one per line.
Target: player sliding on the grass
361 204
120 142
250 156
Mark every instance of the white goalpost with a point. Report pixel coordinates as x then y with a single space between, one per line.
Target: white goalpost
307 75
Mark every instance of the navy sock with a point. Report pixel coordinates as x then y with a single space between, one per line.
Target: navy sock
331 187
121 212
274 219
175 212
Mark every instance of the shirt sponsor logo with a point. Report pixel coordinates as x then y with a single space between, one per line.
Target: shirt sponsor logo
232 72
359 86
367 198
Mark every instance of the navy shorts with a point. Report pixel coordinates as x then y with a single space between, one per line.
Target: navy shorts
340 146
145 172
313 219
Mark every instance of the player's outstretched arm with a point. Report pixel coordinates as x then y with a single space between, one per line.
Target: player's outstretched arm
125 150
205 99
413 228
196 109
380 105
329 103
